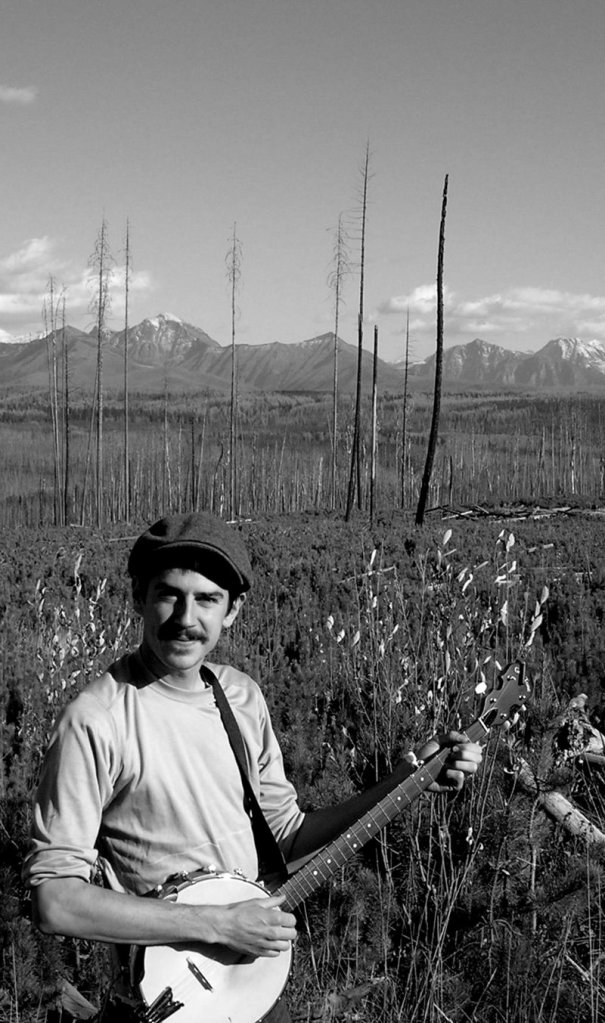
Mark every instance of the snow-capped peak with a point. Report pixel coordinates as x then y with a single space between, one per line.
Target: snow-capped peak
19 339
574 349
158 321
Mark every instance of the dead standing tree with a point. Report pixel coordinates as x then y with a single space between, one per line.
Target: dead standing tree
341 267
66 415
102 266
355 473
404 417
233 261
432 445
49 315
126 409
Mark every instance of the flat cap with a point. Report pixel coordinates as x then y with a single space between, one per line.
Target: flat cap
198 533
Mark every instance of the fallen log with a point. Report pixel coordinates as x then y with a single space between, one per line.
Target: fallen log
558 806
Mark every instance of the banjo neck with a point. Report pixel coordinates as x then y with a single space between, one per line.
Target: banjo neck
327 863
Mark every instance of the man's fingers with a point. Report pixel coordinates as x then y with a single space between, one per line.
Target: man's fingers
453 737
466 753
455 779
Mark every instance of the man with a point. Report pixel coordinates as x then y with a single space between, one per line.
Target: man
141 780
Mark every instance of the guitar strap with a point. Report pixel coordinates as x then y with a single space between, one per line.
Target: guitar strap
271 863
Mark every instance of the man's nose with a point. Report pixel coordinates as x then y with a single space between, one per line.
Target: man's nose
184 611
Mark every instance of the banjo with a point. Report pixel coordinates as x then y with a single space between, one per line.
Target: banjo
202 983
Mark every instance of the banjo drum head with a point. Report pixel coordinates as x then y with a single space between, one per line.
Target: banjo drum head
215 984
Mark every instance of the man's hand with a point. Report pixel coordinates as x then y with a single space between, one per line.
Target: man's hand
462 763
257 927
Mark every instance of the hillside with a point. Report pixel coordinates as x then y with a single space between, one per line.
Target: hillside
563 363
164 352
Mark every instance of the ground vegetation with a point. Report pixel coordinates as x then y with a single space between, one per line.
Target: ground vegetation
365 639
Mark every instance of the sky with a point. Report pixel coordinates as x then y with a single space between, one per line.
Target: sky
191 118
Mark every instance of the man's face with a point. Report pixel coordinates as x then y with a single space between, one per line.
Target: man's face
183 613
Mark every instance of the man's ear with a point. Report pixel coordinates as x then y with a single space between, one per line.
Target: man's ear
234 610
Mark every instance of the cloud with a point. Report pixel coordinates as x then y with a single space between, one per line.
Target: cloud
20 264
518 316
24 283
20 96
23 280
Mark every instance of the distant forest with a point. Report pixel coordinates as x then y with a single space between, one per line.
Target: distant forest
280 455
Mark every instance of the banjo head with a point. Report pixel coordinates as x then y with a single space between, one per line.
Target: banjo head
214 983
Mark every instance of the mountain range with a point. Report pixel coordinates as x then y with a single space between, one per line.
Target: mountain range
164 352
563 363
167 353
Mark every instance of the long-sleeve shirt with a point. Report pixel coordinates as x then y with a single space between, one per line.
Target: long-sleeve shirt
140 778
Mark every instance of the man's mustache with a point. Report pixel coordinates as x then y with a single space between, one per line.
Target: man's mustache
168 632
